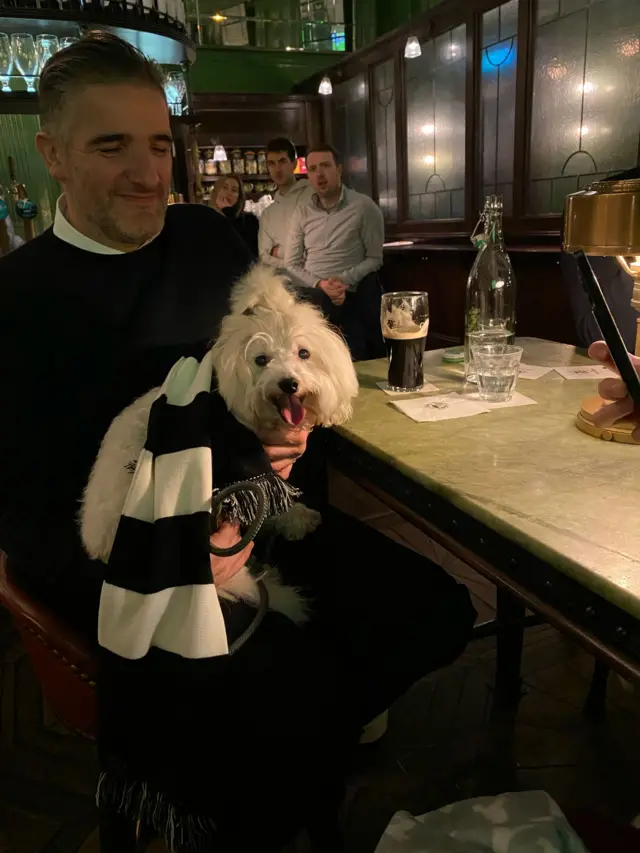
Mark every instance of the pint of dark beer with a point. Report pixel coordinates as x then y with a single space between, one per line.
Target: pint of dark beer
405 324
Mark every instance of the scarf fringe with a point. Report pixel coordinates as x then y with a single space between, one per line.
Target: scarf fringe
242 507
182 831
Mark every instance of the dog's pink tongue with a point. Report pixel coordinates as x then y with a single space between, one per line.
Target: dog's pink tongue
293 411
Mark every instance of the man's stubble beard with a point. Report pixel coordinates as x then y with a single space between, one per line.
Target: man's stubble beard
118 232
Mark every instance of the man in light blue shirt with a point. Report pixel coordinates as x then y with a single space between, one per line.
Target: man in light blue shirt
335 244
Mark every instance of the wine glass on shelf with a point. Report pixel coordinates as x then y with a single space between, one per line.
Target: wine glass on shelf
6 62
176 89
46 46
25 58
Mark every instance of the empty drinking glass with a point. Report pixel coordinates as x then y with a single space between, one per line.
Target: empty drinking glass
67 41
6 62
175 89
488 335
25 58
497 368
46 46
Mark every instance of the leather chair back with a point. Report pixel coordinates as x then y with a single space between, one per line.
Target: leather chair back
64 663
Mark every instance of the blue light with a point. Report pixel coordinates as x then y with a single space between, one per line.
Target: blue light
338 41
502 55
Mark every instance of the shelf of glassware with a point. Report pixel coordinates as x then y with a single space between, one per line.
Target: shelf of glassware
23 53
137 14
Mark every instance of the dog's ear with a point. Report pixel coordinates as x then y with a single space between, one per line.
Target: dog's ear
260 287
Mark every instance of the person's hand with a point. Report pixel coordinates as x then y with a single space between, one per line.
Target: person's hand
283 446
277 252
335 289
224 568
615 390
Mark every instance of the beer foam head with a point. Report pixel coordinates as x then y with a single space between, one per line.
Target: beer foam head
399 324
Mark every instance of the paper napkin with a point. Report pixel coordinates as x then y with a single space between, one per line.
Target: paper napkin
585 371
427 388
516 400
443 407
533 371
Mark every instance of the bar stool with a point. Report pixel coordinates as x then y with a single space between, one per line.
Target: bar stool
65 665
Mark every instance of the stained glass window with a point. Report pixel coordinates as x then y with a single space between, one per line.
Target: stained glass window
585 120
435 89
384 119
498 100
349 126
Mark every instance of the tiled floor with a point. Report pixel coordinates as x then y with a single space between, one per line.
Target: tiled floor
440 747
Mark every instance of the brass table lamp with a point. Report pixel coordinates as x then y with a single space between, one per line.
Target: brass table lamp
604 219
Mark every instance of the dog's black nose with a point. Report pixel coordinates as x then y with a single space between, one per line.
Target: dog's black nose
288 386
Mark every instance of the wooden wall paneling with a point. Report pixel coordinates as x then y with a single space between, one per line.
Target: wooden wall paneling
402 177
473 129
314 122
254 119
524 78
443 275
543 308
371 134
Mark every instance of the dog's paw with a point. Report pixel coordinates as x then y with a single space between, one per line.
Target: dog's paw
285 599
298 522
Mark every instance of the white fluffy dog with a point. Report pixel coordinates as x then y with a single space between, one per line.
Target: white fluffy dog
276 360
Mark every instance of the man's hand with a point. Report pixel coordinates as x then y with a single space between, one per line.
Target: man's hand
335 289
614 389
283 446
224 568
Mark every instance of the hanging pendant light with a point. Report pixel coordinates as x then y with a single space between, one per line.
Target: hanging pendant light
412 49
325 87
219 153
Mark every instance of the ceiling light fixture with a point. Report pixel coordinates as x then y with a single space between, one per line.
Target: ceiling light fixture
412 49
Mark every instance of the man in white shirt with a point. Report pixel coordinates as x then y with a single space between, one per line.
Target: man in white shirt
335 245
276 219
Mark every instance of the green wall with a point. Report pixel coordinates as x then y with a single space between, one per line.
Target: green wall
241 69
17 135
374 18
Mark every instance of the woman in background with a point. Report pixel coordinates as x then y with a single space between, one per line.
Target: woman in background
227 197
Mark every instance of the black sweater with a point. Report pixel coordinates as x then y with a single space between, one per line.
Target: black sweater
81 336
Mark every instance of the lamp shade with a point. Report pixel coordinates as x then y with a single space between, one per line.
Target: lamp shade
325 87
604 219
219 153
412 49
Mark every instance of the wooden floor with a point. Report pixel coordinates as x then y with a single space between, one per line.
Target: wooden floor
440 746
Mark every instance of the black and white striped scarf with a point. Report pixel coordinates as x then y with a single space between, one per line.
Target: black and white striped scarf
159 611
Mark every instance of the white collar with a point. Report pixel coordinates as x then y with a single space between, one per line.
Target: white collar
64 230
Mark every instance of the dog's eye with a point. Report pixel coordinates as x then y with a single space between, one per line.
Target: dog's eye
304 353
262 360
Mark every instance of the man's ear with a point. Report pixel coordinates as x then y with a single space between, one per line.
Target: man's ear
51 152
340 172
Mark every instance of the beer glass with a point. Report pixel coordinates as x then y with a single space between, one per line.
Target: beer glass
405 323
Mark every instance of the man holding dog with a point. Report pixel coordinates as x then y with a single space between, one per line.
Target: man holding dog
94 313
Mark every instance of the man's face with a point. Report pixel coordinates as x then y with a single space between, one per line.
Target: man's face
280 167
324 173
114 162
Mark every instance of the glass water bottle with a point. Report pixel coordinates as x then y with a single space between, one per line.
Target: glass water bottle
491 286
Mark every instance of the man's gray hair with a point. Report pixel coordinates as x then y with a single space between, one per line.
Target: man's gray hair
99 57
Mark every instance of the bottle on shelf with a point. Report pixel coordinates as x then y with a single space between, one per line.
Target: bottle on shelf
491 286
13 185
25 209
